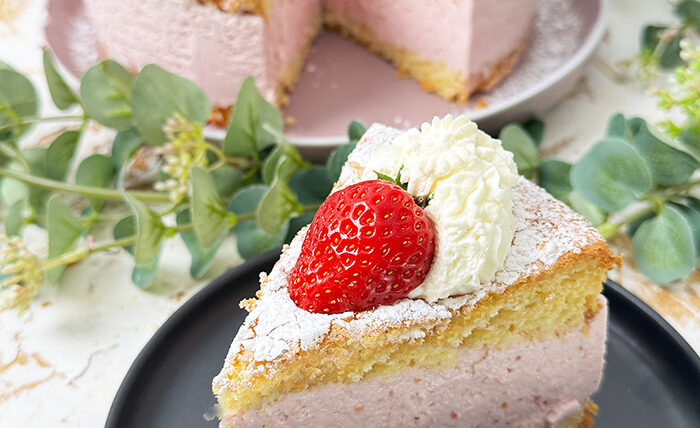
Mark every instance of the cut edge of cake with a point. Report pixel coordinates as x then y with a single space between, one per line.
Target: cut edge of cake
433 76
220 42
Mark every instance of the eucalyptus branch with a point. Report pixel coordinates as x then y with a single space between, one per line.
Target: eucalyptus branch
33 120
14 154
78 255
222 159
146 196
266 186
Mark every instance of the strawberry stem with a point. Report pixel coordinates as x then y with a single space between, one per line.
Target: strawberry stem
421 201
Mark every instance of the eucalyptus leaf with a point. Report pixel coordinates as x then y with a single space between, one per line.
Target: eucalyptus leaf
5 66
37 200
37 196
61 94
621 127
125 144
36 159
664 248
246 134
246 200
668 166
311 187
149 231
201 258
337 159
14 218
617 126
209 217
611 175
689 10
277 206
691 213
250 239
18 100
355 131
633 226
670 56
60 154
516 140
64 230
4 159
690 140
95 171
535 128
13 191
339 155
159 95
125 228
553 176
143 275
283 162
634 124
582 206
106 93
651 35
227 180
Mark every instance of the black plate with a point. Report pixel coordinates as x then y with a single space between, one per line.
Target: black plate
651 379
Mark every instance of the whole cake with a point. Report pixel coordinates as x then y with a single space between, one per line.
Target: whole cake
434 287
452 47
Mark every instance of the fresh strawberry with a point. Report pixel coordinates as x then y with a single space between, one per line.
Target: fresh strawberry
369 244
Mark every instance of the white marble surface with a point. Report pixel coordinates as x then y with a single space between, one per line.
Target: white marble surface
62 361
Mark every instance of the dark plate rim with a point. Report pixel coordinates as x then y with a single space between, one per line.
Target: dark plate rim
119 405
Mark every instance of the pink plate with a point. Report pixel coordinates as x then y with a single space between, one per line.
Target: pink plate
342 81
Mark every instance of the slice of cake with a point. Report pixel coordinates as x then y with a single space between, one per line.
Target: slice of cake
506 327
452 47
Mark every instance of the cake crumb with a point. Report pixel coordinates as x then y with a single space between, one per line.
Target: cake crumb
248 304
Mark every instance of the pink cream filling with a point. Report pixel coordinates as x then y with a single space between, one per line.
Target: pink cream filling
216 50
453 32
527 383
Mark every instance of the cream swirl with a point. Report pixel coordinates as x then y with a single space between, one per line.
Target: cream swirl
468 177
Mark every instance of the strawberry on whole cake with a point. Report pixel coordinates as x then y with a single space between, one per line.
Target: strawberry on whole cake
434 287
452 47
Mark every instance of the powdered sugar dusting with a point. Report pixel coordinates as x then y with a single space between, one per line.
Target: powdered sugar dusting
557 33
545 230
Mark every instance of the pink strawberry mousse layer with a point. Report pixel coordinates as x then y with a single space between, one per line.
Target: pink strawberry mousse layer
481 32
519 385
215 49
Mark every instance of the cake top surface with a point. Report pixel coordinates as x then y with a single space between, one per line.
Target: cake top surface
545 230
